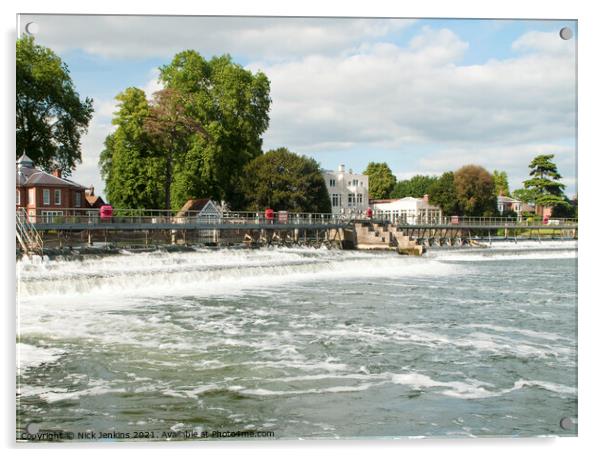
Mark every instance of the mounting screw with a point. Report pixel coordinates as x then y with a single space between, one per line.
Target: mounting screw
566 33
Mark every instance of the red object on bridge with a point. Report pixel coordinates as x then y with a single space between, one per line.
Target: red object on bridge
546 219
369 213
269 214
106 212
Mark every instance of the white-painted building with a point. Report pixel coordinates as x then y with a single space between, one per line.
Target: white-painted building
348 191
407 210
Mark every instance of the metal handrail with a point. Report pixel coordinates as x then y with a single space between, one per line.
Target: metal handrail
156 216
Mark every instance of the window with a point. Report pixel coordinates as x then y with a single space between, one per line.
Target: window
335 200
350 200
57 196
355 182
46 196
349 183
51 216
78 199
333 183
18 197
359 199
32 196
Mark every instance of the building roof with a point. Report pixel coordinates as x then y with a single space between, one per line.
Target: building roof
94 200
384 200
29 176
504 199
196 204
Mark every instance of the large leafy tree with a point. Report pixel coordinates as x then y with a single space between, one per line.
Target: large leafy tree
475 190
129 165
170 124
51 117
500 179
417 186
545 185
443 194
380 180
232 105
282 180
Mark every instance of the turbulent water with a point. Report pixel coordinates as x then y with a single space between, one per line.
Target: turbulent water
301 342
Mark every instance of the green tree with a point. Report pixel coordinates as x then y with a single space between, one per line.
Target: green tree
232 104
380 180
475 190
443 194
51 117
524 195
284 181
417 186
545 182
129 166
171 125
500 179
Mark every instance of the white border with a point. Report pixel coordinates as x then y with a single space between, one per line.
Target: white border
589 171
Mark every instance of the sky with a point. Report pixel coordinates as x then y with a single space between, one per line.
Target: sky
424 95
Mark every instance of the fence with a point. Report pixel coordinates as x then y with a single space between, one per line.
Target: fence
154 216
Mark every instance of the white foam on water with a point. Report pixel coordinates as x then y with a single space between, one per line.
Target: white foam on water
503 255
525 332
209 273
335 389
474 389
29 356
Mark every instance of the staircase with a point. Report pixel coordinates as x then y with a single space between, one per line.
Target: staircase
28 237
372 235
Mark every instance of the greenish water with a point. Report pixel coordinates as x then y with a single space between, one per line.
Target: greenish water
302 343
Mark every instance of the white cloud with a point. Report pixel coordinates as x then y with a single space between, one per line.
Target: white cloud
385 96
163 36
548 42
153 84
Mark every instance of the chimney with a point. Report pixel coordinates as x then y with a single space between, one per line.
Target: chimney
425 199
350 171
57 172
342 168
90 191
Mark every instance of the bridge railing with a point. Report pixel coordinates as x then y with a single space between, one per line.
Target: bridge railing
159 216
506 221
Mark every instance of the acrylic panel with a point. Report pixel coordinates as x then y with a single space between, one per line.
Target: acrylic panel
262 228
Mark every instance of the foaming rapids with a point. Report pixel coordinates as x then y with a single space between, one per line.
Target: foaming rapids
208 272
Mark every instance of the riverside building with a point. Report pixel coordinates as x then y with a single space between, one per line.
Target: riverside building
348 191
407 210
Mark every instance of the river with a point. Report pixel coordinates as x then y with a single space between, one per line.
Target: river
301 343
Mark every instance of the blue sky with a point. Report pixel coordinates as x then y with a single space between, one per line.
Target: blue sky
426 96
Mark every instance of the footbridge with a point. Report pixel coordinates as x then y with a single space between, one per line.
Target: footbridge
77 226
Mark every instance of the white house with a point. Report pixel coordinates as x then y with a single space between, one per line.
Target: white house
408 210
348 191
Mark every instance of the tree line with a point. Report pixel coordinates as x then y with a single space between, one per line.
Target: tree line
472 191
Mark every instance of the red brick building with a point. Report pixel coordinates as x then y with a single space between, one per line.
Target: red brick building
45 196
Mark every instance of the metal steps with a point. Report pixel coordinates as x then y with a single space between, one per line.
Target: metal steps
28 237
